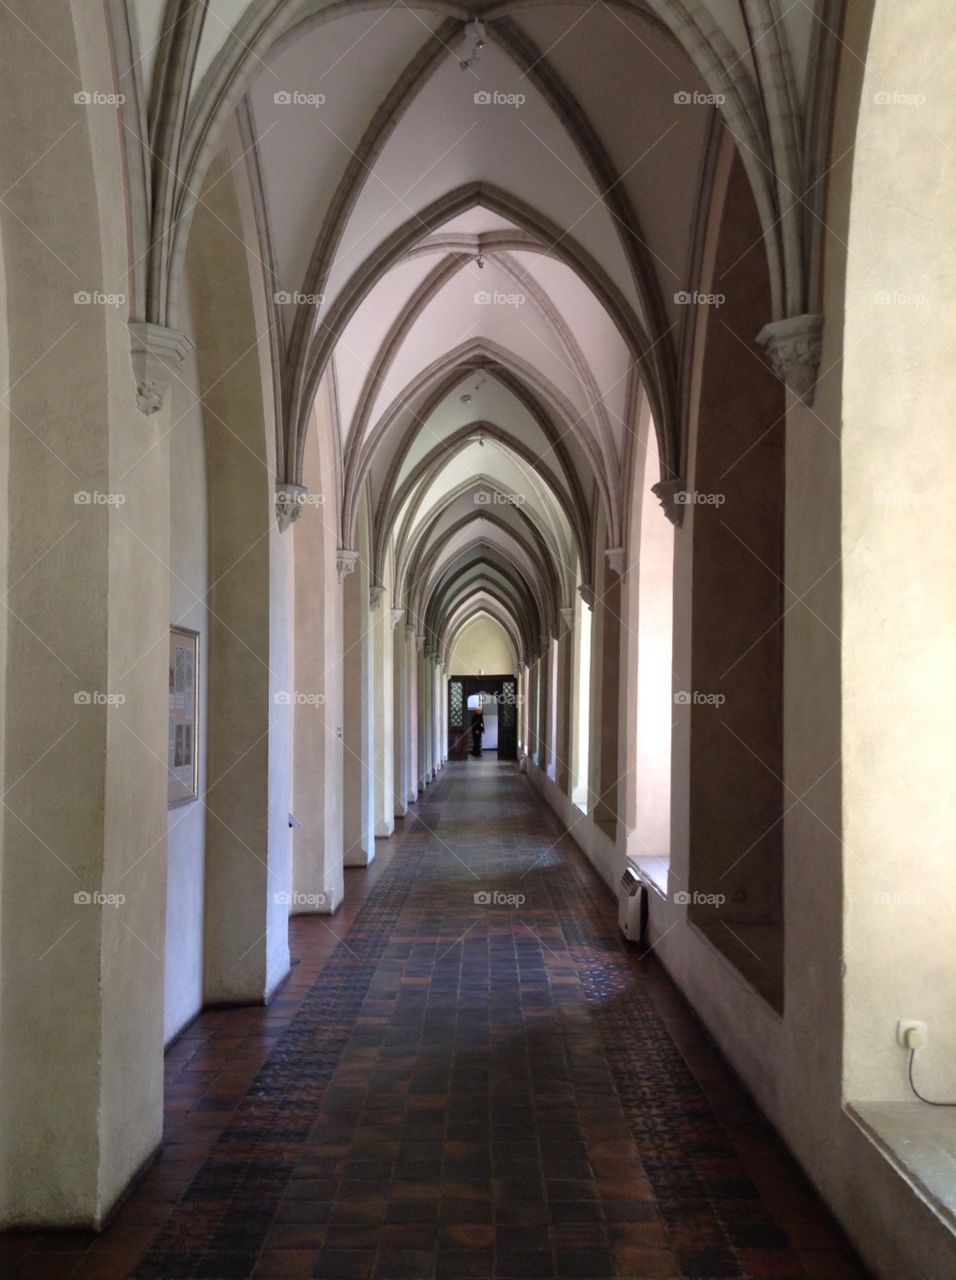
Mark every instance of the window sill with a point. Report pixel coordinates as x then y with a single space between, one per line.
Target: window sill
654 872
920 1142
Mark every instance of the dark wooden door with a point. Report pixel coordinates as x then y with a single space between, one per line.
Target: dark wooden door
508 719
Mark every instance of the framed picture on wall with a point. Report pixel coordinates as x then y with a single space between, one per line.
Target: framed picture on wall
183 746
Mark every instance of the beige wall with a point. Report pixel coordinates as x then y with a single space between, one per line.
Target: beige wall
81 1012
899 514
481 647
852 970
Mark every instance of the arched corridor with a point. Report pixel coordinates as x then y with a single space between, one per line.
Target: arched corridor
447 451
471 1078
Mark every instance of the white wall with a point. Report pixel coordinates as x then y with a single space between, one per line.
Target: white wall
188 582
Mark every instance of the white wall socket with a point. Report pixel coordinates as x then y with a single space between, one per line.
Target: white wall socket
909 1029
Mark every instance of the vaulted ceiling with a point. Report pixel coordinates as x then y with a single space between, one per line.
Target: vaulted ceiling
478 239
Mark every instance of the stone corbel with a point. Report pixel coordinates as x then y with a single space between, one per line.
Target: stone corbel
670 494
289 500
345 562
615 557
795 347
420 641
376 594
157 355
397 615
586 592
567 617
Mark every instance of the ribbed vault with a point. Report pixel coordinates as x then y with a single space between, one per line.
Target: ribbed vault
480 241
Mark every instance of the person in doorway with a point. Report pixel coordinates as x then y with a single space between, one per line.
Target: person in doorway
477 730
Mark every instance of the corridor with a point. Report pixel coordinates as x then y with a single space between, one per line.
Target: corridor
467 1075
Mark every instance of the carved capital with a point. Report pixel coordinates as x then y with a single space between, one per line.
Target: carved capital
345 562
586 592
397 615
420 641
376 594
670 494
794 347
289 501
615 557
157 355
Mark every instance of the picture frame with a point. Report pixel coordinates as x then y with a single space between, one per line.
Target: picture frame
182 770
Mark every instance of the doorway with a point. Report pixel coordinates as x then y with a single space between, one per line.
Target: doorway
498 699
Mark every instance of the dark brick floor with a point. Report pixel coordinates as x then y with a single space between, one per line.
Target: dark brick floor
460 1087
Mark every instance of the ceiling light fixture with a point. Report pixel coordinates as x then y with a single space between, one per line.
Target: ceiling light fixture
475 31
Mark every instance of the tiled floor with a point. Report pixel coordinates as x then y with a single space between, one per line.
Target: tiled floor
466 1085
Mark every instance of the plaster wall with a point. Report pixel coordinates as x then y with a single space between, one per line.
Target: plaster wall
482 646
646 659
188 584
794 1064
384 717
899 481
4 574
250 609
81 1011
357 711
413 699
317 876
400 712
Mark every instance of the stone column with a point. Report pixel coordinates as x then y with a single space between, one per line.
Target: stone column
317 879
358 837
534 742
414 713
544 675
249 734
565 699
424 722
400 715
604 702
440 719
384 713
428 685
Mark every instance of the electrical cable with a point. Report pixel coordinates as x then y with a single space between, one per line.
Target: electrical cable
928 1101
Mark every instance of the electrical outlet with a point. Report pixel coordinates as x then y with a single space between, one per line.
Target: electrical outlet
911 1034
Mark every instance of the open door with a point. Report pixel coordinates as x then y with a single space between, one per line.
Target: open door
498 699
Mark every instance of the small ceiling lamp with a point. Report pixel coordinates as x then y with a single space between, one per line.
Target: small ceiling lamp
475 31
